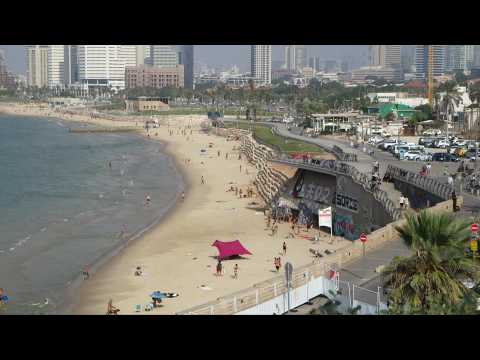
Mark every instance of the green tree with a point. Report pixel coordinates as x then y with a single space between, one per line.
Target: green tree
434 273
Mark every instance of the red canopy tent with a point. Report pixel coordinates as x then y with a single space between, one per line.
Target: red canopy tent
230 248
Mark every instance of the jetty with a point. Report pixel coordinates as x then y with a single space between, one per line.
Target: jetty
105 129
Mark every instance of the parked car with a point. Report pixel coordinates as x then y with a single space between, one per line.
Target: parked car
444 157
425 140
470 155
432 132
416 155
375 140
388 143
441 143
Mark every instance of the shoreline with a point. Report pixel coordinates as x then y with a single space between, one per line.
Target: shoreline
70 301
176 253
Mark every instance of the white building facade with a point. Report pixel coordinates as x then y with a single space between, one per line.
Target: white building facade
261 63
37 65
104 65
55 72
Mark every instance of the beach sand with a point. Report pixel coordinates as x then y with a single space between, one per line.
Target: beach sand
176 255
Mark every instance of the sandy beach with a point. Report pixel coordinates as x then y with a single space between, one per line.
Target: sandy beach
176 255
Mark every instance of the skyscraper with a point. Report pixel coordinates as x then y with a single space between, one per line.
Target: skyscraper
186 59
300 57
164 56
385 55
70 66
37 65
143 54
55 72
290 57
104 65
261 63
459 57
421 60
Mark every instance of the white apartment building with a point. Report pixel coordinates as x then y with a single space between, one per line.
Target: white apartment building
55 72
104 65
164 56
37 65
261 63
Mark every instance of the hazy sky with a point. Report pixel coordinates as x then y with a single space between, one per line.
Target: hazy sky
215 55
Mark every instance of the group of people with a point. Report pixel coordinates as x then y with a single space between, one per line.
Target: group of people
220 269
403 202
426 169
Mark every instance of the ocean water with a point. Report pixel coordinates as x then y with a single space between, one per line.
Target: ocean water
62 207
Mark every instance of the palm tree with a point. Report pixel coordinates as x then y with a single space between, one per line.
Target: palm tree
434 273
450 100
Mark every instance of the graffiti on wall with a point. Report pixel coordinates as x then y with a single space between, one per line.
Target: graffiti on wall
311 190
345 227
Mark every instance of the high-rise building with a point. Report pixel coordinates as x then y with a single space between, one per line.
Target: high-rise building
261 63
143 55
37 65
408 58
385 55
186 59
290 57
345 66
7 80
70 66
104 65
459 57
300 57
421 60
164 56
476 55
55 72
314 63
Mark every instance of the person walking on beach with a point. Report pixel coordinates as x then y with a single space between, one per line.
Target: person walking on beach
240 167
112 310
235 271
183 195
226 156
218 153
277 264
219 268
284 248
203 180
401 201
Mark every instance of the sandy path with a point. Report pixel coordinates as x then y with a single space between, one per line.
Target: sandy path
177 255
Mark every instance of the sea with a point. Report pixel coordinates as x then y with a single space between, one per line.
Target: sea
63 207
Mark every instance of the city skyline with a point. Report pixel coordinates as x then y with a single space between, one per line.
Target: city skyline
220 55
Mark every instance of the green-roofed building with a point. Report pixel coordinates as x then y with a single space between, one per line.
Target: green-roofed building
402 111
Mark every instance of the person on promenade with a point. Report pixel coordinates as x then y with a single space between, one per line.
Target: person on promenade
86 273
235 271
401 201
112 310
147 199
406 203
277 264
110 164
284 248
203 180
219 268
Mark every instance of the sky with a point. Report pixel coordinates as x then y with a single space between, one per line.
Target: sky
216 55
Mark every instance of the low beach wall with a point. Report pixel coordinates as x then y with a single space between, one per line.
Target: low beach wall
265 295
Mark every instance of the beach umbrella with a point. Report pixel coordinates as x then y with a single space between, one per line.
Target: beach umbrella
158 295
